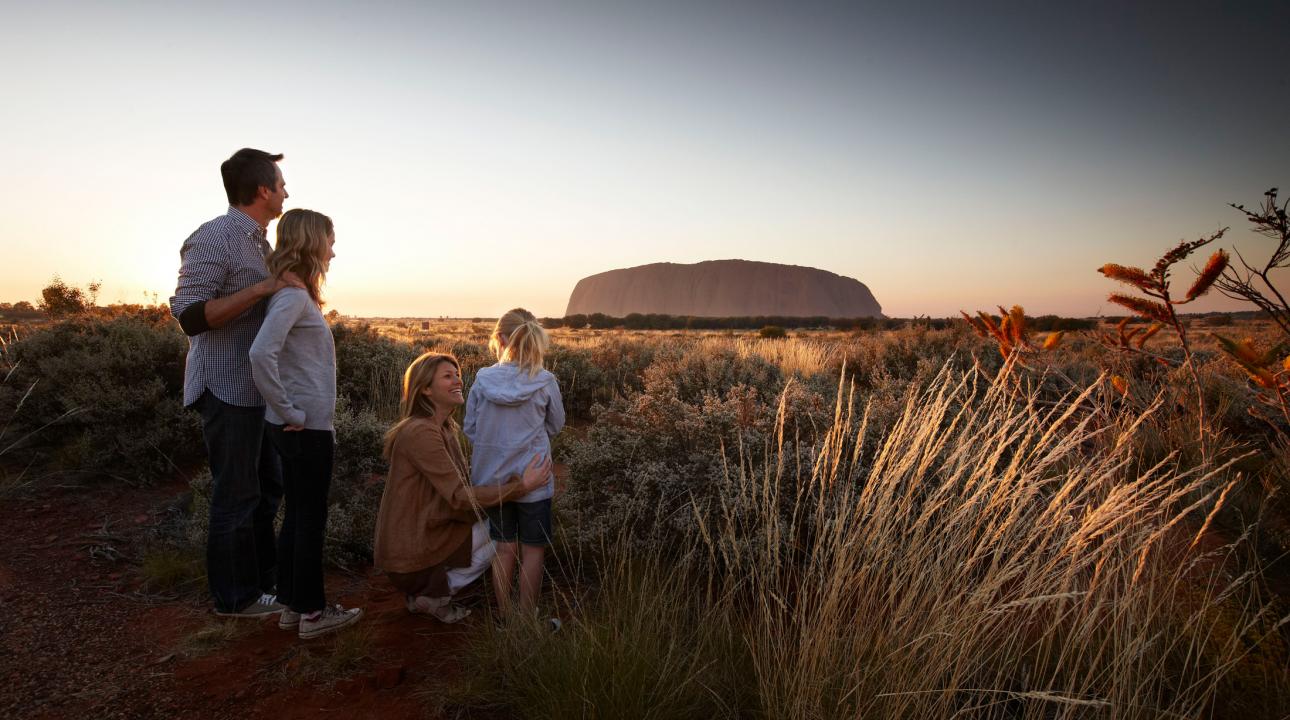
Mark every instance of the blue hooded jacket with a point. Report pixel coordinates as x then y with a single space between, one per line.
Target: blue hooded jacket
510 417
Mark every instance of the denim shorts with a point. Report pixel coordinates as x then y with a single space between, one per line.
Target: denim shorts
529 522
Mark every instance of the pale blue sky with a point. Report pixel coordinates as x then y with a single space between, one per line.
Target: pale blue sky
480 156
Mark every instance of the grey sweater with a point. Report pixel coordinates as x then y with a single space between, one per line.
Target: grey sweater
293 362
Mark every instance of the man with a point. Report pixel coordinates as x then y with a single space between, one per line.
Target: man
219 304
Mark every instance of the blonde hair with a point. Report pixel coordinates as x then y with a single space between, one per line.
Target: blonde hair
413 403
302 248
519 338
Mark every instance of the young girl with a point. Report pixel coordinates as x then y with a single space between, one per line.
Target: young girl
513 411
427 522
293 363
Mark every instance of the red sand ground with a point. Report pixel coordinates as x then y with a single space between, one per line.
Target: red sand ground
78 639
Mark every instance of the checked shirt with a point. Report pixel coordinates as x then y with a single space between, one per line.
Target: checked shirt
222 257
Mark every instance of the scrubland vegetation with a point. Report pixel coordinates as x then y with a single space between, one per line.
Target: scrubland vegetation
890 523
909 522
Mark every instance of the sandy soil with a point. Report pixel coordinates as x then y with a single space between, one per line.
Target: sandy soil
78 638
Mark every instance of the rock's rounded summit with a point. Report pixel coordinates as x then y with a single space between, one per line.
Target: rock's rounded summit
723 288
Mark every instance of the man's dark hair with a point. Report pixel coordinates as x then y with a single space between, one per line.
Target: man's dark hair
248 171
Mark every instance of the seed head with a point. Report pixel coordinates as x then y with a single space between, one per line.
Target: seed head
1136 277
977 326
1155 328
1143 307
1213 269
1018 317
1120 384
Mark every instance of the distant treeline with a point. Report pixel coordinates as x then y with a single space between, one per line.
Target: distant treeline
653 321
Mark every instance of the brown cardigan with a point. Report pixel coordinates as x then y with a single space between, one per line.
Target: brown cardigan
428 506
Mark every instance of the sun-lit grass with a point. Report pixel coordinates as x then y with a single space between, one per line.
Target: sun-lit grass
796 356
995 558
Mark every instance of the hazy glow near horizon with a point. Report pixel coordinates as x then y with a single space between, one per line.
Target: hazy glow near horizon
476 157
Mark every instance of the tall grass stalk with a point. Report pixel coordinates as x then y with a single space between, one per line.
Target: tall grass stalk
990 557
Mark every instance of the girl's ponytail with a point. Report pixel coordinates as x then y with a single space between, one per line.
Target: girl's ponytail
519 338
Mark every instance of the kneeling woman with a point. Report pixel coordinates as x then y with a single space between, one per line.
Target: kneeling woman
429 512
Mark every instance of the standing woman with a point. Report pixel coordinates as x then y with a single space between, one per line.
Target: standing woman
293 361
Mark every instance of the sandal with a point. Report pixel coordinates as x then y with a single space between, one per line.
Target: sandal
442 609
451 613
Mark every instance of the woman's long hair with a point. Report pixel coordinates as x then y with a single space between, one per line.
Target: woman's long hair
413 403
302 248
526 341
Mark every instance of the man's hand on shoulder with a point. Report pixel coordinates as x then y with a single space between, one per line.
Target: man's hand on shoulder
271 285
221 311
289 279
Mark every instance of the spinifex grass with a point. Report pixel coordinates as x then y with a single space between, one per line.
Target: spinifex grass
171 569
332 657
213 636
641 646
994 558
990 557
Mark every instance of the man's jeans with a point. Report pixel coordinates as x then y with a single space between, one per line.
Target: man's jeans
306 476
246 487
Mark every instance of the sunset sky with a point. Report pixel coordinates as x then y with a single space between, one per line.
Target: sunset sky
479 156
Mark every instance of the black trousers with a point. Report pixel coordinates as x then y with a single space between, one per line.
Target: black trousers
246 486
307 457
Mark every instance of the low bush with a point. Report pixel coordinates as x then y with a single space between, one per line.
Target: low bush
369 368
107 392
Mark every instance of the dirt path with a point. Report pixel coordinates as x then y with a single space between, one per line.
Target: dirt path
79 639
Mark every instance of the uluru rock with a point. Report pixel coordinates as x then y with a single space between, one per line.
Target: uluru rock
723 288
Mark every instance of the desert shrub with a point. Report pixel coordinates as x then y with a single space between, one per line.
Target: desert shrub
356 487
657 450
369 368
913 352
691 375
771 332
112 389
610 368
582 382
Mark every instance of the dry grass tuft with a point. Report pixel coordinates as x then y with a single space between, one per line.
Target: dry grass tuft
330 657
172 569
213 636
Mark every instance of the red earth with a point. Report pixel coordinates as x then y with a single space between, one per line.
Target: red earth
80 638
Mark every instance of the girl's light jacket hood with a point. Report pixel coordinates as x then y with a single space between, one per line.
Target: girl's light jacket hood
510 417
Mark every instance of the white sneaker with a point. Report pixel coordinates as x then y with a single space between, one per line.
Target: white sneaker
266 605
289 619
329 620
